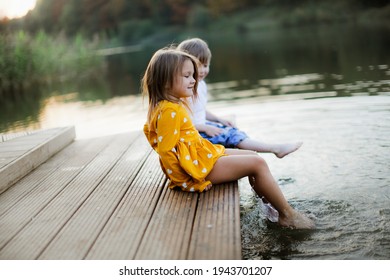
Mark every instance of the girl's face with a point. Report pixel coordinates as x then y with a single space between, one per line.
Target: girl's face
204 70
185 82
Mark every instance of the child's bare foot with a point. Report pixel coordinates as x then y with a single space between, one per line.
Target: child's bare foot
286 149
296 220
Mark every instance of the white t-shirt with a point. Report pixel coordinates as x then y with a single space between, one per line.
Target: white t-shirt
198 106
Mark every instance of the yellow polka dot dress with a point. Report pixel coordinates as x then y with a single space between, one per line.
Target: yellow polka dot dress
186 158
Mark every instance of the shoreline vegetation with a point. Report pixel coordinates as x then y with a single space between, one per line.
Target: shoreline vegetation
31 58
27 61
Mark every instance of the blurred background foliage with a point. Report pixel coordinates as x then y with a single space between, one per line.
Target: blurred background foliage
57 40
113 18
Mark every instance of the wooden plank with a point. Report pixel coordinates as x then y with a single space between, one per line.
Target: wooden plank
8 136
33 196
122 234
169 230
216 232
174 225
30 241
79 234
23 154
108 199
68 159
22 145
183 228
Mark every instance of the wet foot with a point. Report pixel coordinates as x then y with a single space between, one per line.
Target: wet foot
286 149
297 221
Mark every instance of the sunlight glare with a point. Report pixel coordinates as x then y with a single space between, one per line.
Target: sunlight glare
15 8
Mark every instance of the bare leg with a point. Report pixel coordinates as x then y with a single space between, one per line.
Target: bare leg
280 150
238 165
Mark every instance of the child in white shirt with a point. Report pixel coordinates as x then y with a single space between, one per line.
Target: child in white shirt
216 129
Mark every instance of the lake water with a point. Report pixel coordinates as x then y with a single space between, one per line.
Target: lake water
328 87
340 177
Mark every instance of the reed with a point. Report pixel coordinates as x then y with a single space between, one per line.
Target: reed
27 60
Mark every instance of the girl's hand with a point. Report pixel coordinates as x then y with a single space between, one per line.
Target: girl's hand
227 122
213 131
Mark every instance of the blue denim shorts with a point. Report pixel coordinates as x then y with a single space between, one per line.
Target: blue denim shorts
230 137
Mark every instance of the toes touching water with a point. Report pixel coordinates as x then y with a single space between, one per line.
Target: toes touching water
297 221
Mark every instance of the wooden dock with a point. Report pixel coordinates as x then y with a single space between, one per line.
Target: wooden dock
20 154
106 198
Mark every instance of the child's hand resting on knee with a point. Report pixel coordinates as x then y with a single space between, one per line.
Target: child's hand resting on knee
212 131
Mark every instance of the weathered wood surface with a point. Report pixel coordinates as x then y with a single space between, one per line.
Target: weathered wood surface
21 154
106 198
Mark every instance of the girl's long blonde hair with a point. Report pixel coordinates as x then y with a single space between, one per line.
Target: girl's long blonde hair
161 74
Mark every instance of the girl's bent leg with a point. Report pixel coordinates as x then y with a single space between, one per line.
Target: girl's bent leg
239 165
235 167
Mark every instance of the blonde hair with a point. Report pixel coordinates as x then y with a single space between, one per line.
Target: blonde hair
198 48
161 74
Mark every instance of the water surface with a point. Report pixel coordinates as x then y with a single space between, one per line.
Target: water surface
330 60
340 177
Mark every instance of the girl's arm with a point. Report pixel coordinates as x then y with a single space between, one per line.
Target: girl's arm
168 135
175 158
213 118
209 129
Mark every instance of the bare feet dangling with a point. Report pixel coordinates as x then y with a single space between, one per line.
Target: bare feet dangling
286 149
297 221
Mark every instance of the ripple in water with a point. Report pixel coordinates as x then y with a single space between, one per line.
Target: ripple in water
342 232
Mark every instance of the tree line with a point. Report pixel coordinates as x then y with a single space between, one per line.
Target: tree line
108 16
54 41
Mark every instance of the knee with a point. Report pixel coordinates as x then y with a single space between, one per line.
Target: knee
257 160
260 162
258 166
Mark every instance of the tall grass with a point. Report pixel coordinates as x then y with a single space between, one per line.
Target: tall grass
26 60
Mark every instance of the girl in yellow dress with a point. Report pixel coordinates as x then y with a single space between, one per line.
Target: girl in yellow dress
189 161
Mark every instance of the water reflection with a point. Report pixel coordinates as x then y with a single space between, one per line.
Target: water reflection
320 59
318 85
21 110
324 61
